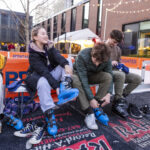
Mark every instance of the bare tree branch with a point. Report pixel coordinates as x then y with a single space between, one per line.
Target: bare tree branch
23 5
31 1
23 25
41 15
13 13
22 36
37 6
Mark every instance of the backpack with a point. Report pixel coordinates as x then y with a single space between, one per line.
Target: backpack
12 106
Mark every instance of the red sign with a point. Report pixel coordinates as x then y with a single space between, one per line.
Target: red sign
99 143
130 130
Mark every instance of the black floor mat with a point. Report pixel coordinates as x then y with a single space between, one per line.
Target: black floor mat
130 134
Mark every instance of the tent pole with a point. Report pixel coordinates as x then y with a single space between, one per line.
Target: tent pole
65 41
105 25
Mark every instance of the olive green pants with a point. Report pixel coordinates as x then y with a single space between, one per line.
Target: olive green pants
104 80
119 78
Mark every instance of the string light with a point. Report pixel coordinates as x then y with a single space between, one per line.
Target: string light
132 1
112 9
131 12
126 12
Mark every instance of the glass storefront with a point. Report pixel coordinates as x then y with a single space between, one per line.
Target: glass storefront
98 26
144 39
73 20
85 20
55 27
137 39
49 31
63 23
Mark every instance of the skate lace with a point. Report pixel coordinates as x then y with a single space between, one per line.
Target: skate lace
100 110
51 122
29 127
67 86
37 132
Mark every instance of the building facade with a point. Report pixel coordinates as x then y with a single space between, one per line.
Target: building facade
11 29
132 17
82 14
50 8
101 16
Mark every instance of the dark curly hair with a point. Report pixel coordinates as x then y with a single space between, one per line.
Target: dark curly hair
117 35
101 52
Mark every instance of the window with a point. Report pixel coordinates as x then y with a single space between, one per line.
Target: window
4 34
72 2
85 20
48 21
21 33
137 39
49 32
55 27
131 39
43 23
13 21
73 20
76 2
12 35
4 20
144 39
63 23
98 27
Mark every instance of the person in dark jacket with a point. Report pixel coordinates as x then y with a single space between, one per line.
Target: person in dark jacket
47 69
22 49
5 47
92 66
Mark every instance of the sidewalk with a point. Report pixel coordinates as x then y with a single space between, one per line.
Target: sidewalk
145 86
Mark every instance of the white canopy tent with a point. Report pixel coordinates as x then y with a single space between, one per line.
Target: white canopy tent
84 34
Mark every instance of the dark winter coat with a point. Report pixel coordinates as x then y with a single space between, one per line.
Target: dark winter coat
84 67
39 66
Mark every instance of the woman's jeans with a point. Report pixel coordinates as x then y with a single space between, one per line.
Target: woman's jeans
44 89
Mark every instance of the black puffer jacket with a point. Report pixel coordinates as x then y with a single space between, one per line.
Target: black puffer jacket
39 68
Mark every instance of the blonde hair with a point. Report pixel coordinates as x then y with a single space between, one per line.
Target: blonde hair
35 31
